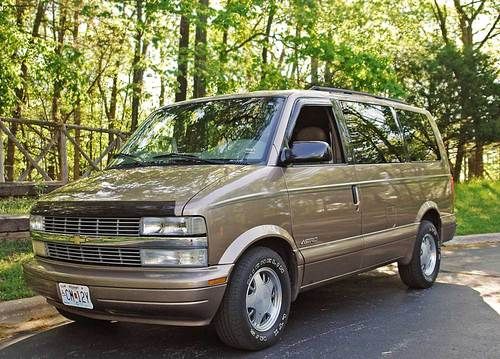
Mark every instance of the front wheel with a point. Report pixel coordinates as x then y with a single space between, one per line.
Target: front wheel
256 305
423 268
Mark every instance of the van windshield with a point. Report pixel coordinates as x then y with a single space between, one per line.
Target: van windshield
232 131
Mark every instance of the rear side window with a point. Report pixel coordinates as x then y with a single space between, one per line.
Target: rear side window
419 137
375 136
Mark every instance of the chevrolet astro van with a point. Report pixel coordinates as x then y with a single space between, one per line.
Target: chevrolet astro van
222 210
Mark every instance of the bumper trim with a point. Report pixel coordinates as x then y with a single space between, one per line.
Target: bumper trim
166 304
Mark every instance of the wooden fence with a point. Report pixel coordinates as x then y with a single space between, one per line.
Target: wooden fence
42 151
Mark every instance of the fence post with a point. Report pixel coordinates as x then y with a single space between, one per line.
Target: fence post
63 154
2 159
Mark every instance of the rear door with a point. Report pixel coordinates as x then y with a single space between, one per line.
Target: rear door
381 172
326 222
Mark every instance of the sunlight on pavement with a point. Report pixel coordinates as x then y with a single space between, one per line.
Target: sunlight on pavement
486 283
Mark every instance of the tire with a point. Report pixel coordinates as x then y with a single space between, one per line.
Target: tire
253 275
415 274
80 319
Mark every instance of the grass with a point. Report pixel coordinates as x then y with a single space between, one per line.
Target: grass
477 206
16 205
13 253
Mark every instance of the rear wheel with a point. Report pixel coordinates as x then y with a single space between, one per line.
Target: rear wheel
423 268
256 305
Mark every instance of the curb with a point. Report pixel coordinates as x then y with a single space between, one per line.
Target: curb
22 310
474 239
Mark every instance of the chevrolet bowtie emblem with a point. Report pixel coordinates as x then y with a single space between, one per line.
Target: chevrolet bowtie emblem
77 240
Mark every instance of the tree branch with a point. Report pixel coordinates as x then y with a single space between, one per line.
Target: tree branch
441 18
478 10
490 34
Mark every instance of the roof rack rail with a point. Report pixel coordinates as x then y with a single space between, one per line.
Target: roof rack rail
351 92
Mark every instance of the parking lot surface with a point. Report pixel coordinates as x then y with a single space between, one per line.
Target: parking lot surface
372 315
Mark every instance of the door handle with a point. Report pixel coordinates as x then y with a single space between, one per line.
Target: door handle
355 196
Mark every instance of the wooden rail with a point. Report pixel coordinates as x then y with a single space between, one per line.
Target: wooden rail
47 163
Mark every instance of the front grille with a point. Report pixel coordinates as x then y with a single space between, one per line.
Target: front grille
92 226
94 254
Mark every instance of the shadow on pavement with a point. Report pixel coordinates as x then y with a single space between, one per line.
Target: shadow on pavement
369 316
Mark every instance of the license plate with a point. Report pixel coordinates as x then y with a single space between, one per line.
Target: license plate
75 295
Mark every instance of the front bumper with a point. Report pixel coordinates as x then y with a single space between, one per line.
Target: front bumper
146 295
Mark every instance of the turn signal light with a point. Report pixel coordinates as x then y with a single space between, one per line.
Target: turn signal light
217 281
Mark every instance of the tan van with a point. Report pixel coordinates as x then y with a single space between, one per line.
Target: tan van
224 209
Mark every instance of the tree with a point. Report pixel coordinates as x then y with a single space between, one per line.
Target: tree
200 51
107 64
182 59
138 66
472 72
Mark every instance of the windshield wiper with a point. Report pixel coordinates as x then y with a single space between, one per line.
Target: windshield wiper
136 158
186 157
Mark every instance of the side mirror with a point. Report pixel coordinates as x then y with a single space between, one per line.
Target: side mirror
307 152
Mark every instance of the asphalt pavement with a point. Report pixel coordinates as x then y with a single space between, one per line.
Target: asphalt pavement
372 315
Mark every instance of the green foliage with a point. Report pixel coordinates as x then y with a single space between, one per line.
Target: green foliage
476 206
452 79
16 205
13 253
80 65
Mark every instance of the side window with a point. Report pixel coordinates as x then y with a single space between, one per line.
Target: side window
419 137
375 136
316 123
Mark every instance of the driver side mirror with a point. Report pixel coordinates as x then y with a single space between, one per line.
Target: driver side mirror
306 152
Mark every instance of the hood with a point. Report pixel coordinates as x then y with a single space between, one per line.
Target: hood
173 186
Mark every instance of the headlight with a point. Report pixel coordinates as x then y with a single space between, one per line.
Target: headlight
36 223
174 257
173 226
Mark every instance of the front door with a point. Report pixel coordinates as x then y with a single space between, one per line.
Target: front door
326 223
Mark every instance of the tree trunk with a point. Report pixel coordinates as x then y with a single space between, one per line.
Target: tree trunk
459 158
76 154
141 47
161 100
112 109
57 87
478 160
77 114
327 74
112 104
314 70
265 43
182 60
223 52
200 48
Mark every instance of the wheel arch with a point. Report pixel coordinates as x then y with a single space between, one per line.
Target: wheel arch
275 238
430 212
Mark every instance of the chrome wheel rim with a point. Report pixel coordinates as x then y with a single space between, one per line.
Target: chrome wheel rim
263 299
428 255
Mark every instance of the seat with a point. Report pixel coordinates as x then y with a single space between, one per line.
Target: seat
311 133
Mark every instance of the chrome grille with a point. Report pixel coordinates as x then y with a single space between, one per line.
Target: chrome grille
94 254
92 226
